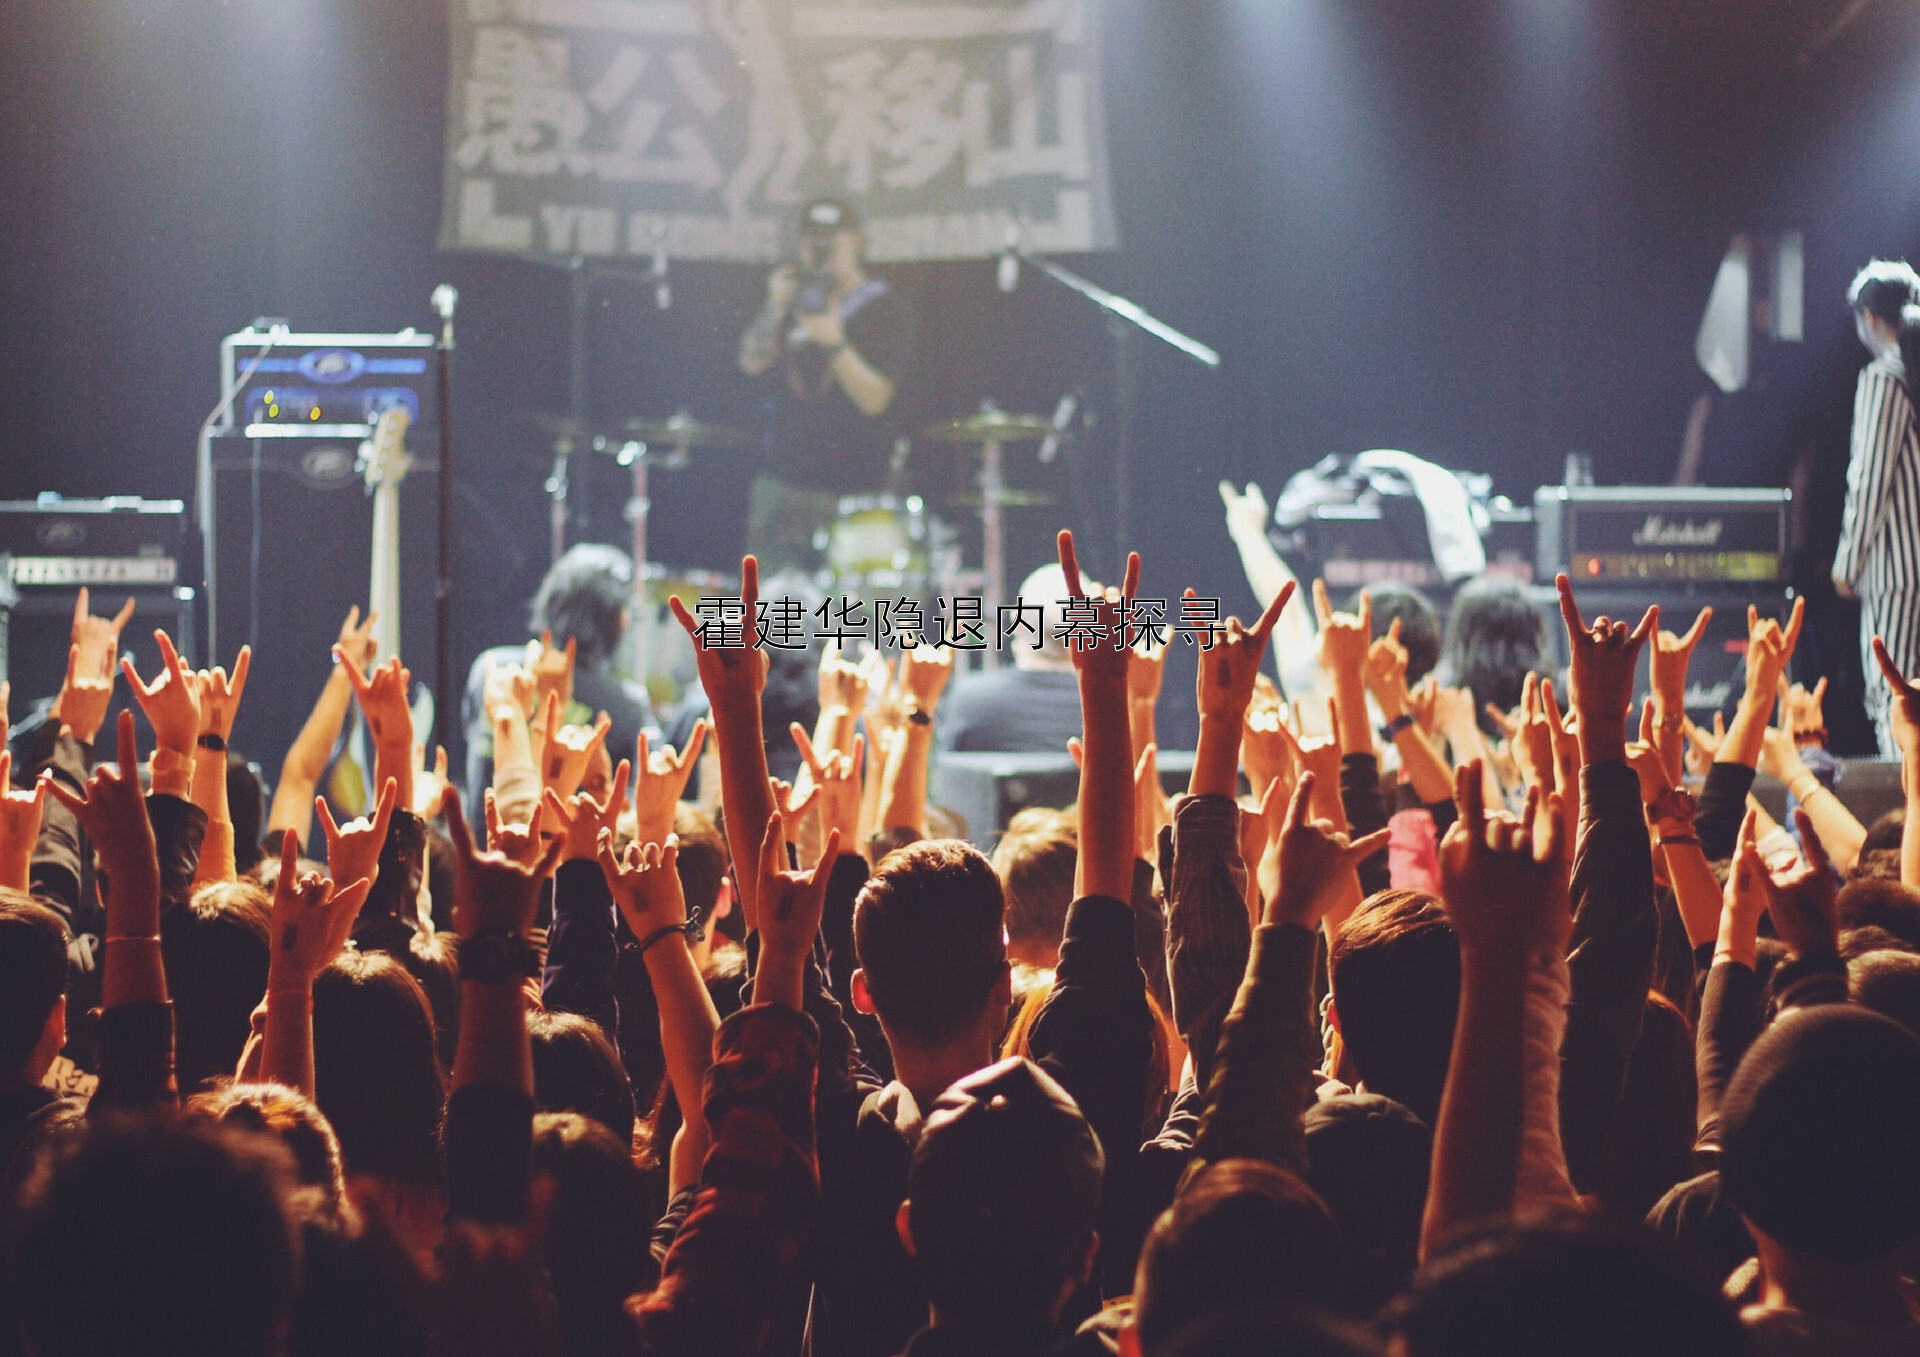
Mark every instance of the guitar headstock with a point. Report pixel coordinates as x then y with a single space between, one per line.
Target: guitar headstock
386 452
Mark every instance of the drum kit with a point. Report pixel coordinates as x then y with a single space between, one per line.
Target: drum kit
878 545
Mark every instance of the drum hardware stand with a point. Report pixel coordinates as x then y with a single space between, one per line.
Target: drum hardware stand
1124 318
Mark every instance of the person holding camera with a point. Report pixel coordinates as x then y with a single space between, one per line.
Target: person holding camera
835 346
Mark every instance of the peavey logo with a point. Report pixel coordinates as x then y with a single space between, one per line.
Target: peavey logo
1657 532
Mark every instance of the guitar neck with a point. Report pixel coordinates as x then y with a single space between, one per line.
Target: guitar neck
385 573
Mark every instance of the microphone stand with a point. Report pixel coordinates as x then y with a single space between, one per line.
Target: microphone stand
444 299
1125 319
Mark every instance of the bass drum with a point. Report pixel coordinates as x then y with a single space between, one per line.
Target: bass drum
878 544
669 669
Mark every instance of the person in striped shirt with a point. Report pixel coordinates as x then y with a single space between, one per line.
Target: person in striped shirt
1878 559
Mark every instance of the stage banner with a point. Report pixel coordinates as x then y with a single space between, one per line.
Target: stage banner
695 128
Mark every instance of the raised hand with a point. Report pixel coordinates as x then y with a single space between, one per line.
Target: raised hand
353 849
97 639
1386 670
307 912
1144 674
1904 707
511 686
429 784
19 825
492 891
171 701
1308 864
660 780
220 696
1803 897
1604 657
1503 882
1266 749
567 751
1643 756
1246 513
550 669
114 814
1101 660
1770 648
1802 713
789 907
924 671
730 675
1224 679
645 883
517 842
1320 757
843 685
1670 658
793 802
355 644
383 701
1345 638
582 817
82 703
837 778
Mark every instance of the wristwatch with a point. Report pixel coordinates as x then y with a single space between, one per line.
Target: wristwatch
1674 804
1391 730
918 717
498 956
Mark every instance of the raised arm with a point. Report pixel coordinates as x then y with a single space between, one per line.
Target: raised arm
136 1032
1904 709
383 701
306 936
1504 885
1669 659
924 672
1730 778
1386 676
583 948
1615 927
1262 1072
733 670
1105 865
306 760
489 1122
646 886
219 703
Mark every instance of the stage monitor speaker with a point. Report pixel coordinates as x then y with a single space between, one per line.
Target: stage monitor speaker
292 553
1717 673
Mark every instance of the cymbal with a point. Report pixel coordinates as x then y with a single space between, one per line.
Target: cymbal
1009 499
990 426
681 429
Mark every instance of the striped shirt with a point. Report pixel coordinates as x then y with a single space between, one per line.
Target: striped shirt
1879 551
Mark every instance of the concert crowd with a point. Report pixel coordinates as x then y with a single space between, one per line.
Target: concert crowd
1457 1004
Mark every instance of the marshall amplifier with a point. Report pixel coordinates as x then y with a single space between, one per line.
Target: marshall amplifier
1625 534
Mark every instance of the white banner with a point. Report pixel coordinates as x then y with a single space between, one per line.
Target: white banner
695 128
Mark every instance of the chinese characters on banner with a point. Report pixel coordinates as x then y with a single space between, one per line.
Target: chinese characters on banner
956 622
696 128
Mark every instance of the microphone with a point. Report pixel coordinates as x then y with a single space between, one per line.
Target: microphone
1063 414
1008 276
444 299
662 284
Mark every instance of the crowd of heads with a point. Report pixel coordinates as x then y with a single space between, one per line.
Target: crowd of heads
1394 1032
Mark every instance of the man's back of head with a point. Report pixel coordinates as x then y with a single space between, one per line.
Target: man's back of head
33 981
928 930
1395 971
1578 1286
1818 1130
1036 862
1242 1229
1002 1197
157 1235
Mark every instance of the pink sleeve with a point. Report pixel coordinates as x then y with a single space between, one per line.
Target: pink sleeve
1413 857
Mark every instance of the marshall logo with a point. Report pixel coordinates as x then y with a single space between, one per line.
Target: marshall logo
1658 532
